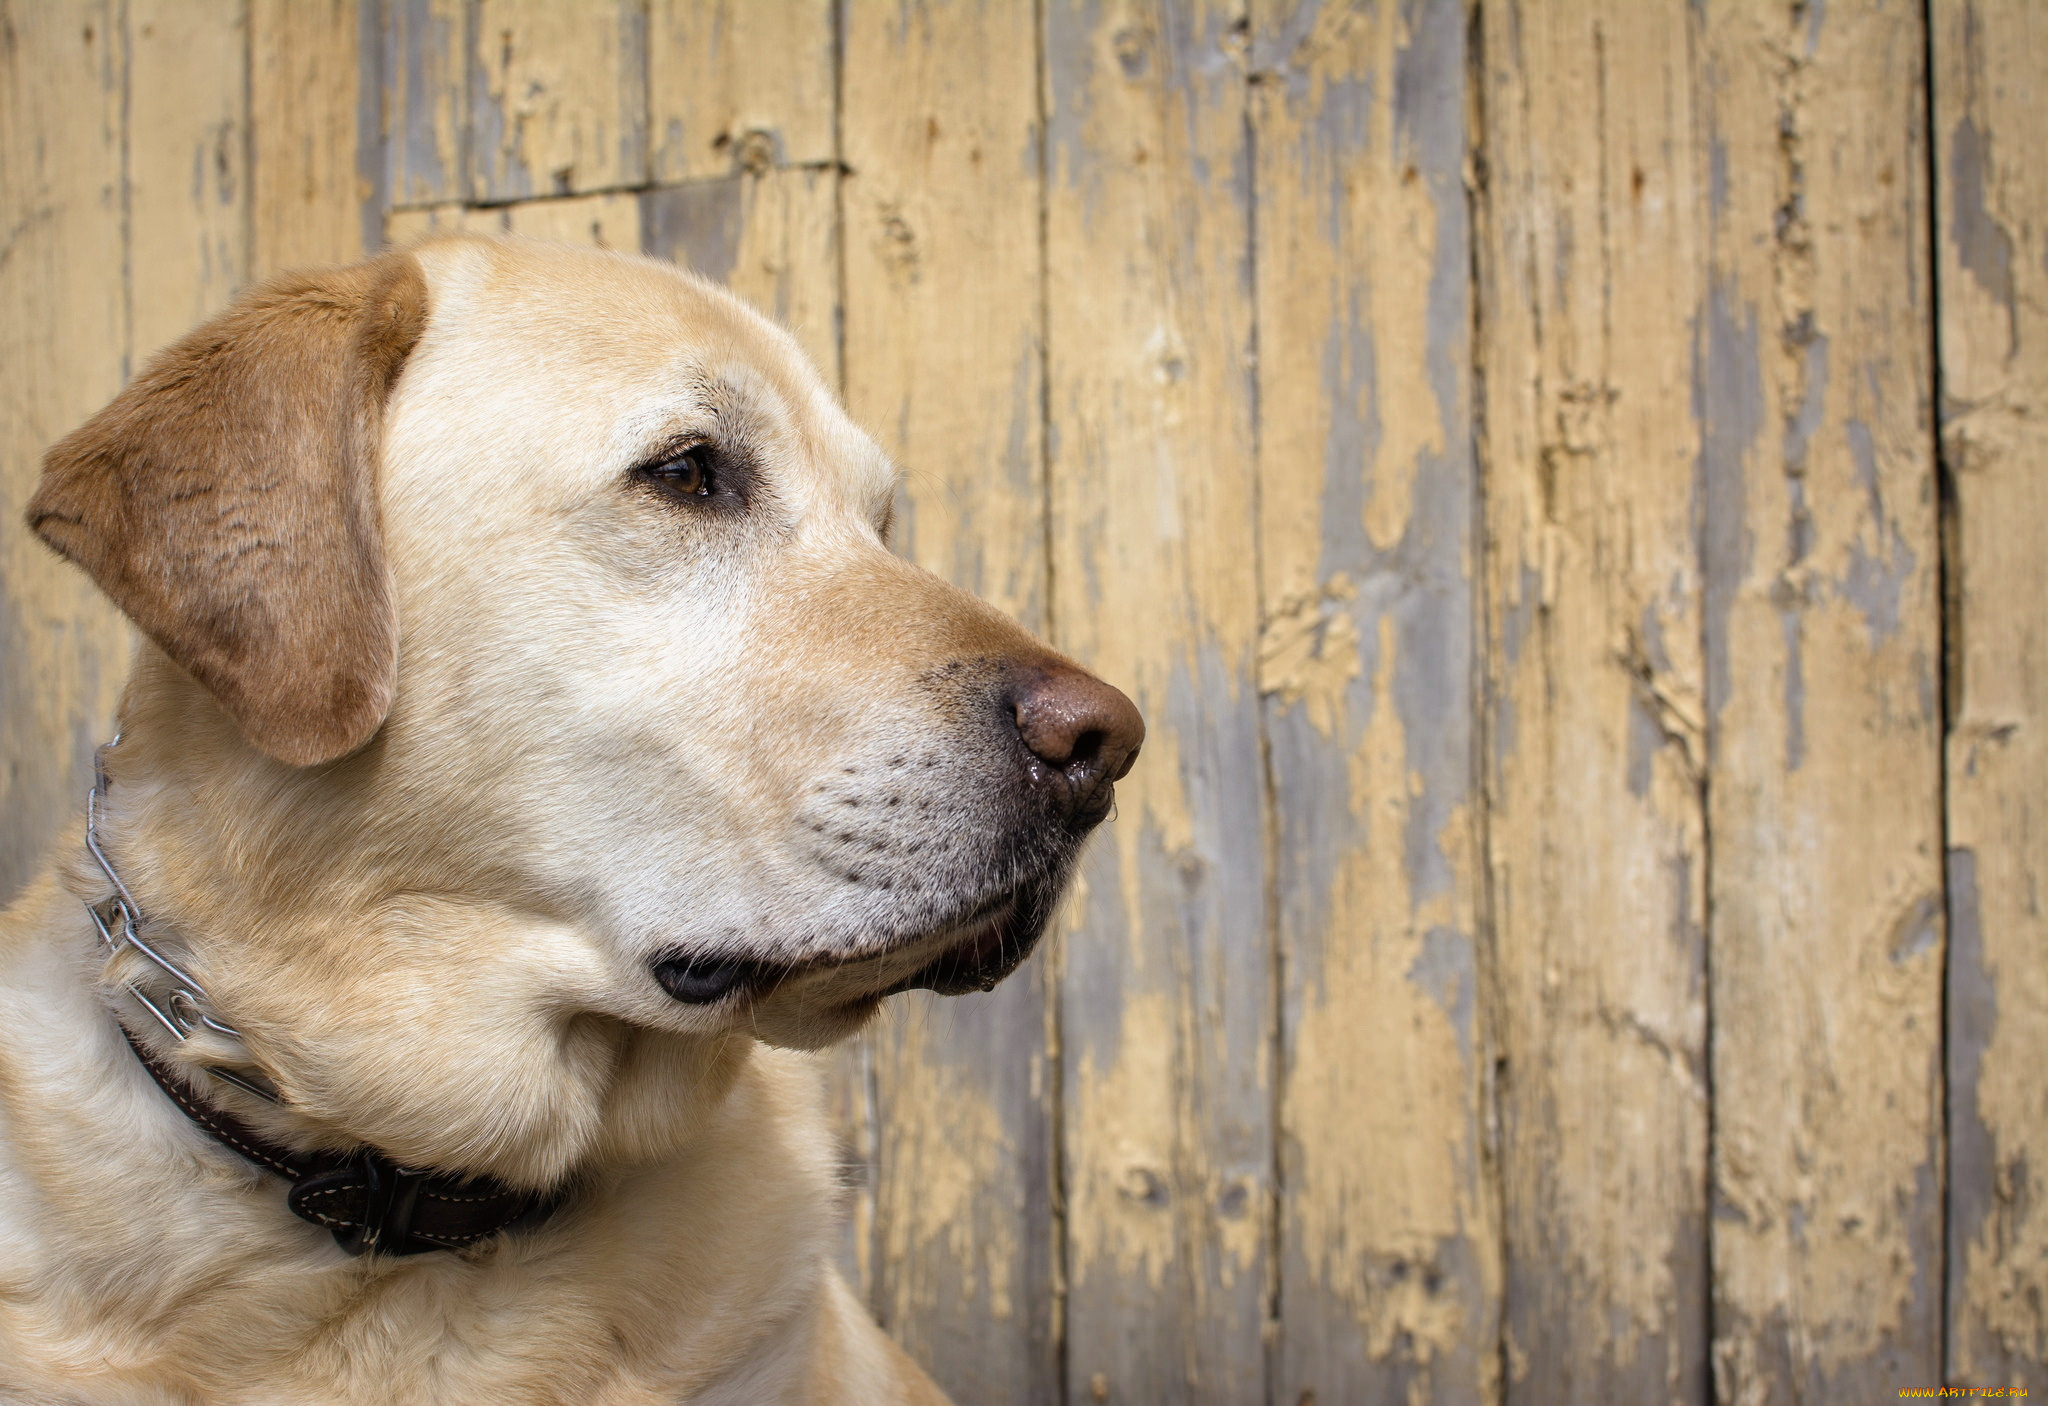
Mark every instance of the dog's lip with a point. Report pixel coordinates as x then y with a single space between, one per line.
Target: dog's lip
975 961
973 949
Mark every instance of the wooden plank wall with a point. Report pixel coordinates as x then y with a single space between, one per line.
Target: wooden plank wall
1991 272
1564 482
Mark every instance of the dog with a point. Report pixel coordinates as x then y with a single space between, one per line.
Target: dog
532 748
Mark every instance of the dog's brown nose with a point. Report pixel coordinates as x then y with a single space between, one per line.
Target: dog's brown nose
1085 732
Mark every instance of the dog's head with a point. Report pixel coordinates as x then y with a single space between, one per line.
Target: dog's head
527 669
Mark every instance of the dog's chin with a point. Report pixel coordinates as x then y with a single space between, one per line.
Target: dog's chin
987 953
811 1005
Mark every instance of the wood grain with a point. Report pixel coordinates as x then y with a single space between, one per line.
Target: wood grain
771 235
188 175
312 201
1167 995
610 220
733 83
558 97
422 106
1592 272
944 364
1991 241
1389 1277
63 335
1817 493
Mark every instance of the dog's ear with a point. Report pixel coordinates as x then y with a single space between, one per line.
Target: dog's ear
227 501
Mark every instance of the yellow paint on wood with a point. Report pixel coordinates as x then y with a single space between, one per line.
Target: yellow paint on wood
1308 645
402 227
1166 1000
1591 281
787 259
559 98
63 330
942 1157
1817 489
942 282
943 363
607 221
1384 1167
187 168
734 84
306 190
1991 222
1389 1276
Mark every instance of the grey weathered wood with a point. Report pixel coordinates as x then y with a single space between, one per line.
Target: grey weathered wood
1166 995
422 105
1591 277
63 339
1389 1274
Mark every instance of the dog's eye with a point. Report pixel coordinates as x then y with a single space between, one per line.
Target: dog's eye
688 474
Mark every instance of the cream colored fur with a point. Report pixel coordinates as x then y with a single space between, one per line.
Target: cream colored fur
618 730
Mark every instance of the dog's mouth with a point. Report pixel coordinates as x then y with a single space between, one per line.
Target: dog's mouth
990 950
979 950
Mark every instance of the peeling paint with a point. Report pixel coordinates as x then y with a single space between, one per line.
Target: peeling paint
1876 582
1983 246
1308 653
948 1190
1167 1015
1823 783
422 44
698 225
1728 408
558 99
1387 1270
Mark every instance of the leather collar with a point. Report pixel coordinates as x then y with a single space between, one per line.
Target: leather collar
371 1203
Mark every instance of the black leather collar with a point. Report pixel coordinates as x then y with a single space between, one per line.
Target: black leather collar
371 1203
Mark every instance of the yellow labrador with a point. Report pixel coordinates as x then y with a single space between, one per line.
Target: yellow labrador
531 743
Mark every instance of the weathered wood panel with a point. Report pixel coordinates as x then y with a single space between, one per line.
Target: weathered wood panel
422 106
610 220
558 97
1817 491
1991 235
1389 1272
771 235
63 335
312 198
1167 991
187 165
734 83
1592 273
944 363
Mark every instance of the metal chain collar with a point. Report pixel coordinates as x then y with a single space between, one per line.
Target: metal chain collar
370 1202
183 1009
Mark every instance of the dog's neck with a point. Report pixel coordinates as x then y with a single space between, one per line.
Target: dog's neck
385 1008
153 1256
